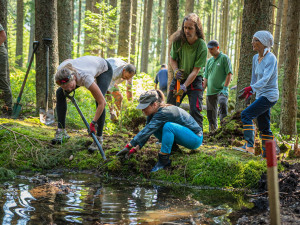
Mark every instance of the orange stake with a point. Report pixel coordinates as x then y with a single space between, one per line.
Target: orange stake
178 97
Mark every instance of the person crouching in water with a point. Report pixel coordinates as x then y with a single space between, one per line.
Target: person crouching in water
168 123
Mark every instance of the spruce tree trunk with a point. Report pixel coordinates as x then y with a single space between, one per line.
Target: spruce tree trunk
46 27
277 27
225 25
164 37
112 39
19 34
272 22
32 28
124 29
216 20
146 40
158 37
288 116
255 17
173 18
139 41
79 28
65 25
189 6
133 32
208 29
283 35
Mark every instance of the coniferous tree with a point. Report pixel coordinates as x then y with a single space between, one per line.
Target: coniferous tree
65 29
133 31
19 35
283 35
189 6
79 28
112 38
164 36
45 27
288 116
278 27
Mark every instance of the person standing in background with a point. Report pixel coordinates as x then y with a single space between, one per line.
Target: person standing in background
162 79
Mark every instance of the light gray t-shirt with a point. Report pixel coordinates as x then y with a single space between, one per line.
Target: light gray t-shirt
88 68
117 66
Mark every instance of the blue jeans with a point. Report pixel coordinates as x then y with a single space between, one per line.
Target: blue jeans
181 135
259 109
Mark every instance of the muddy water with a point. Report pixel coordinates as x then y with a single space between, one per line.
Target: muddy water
87 199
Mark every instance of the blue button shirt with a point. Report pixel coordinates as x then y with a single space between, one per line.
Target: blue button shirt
264 81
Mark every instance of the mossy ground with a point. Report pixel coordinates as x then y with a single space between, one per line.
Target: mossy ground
25 145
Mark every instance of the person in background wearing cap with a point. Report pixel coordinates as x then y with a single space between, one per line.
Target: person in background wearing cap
95 74
4 77
217 76
162 79
264 83
168 123
121 71
187 58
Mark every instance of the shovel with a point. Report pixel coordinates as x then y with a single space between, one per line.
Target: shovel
71 97
17 106
47 116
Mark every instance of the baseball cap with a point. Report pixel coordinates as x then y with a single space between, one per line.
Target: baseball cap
212 44
147 98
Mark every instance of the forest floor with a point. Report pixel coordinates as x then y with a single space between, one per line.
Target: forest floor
26 145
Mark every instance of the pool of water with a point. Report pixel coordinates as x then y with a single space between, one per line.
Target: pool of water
88 199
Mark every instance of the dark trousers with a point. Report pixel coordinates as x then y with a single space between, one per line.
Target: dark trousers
103 81
259 109
212 102
195 95
4 79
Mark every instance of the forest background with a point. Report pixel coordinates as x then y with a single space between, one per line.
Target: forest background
138 31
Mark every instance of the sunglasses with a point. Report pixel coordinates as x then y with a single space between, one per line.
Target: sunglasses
64 80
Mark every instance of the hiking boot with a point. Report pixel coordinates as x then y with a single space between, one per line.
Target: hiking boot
61 136
246 149
93 147
163 162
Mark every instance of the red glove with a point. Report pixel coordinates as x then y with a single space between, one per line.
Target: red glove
247 92
132 151
92 127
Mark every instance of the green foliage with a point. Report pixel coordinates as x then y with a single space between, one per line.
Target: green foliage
6 174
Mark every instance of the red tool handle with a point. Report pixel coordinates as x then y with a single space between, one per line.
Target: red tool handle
178 96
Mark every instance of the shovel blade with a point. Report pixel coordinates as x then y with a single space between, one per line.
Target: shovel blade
47 118
16 110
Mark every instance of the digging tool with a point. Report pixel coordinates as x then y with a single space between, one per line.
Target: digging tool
17 106
71 97
178 96
47 116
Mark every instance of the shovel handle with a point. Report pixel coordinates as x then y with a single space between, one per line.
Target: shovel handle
71 97
178 96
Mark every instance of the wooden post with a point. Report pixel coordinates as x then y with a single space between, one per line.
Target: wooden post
273 186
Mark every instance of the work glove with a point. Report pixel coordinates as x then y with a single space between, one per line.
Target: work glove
181 91
224 91
124 151
246 93
93 126
178 74
129 154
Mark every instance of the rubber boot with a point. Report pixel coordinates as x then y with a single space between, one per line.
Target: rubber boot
249 135
163 162
265 138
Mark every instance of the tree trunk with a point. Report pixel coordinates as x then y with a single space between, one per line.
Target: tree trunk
173 18
278 26
283 35
79 28
158 37
112 39
216 20
32 28
64 18
19 33
224 45
213 20
3 16
146 39
221 13
255 17
124 29
208 29
139 41
164 36
46 27
189 6
133 31
288 116
272 22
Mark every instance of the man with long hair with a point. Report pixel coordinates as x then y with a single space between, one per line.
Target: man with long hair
187 59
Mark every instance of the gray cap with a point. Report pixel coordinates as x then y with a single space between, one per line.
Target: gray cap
147 98
212 44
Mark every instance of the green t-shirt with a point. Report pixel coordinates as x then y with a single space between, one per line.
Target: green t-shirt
190 56
216 71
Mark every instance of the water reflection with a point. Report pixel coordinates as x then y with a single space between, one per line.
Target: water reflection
82 199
